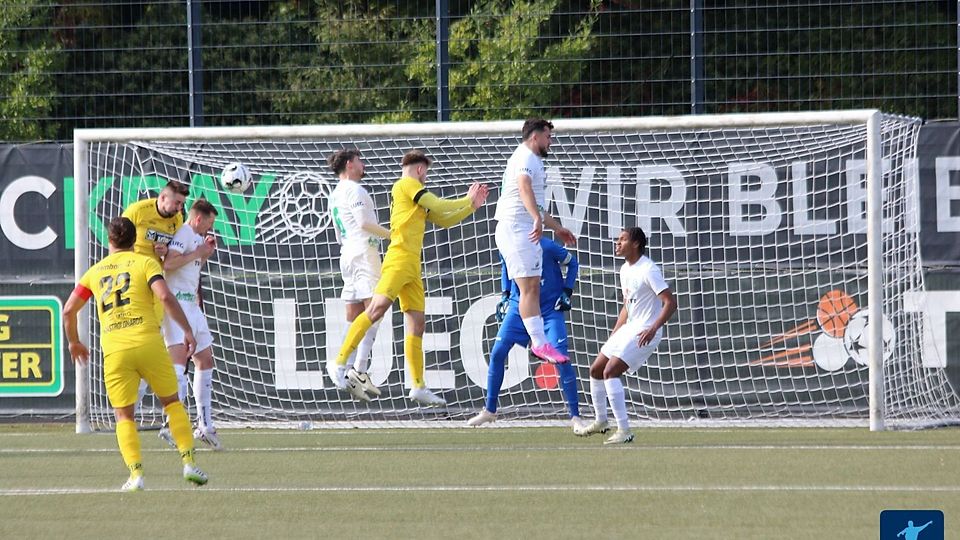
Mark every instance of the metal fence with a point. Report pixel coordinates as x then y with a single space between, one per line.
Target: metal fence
97 63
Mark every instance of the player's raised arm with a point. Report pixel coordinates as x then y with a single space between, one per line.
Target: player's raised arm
176 258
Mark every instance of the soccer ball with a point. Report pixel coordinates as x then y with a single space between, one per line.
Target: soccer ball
856 335
236 178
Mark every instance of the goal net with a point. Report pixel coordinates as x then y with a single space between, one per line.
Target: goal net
759 222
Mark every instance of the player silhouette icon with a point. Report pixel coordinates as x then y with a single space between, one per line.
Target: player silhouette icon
910 532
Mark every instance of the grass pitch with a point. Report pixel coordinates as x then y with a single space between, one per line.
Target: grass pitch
481 483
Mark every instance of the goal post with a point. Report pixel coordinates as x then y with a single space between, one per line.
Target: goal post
790 239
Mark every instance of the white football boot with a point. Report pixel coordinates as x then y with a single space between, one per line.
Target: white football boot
597 426
192 473
426 398
363 379
622 436
355 387
134 483
208 437
485 417
338 375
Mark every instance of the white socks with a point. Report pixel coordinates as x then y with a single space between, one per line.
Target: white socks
140 393
362 360
181 381
202 394
598 394
617 402
534 326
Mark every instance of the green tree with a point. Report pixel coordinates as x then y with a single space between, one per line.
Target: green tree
28 60
355 71
501 64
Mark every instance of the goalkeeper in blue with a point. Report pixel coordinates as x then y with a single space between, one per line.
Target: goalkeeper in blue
555 292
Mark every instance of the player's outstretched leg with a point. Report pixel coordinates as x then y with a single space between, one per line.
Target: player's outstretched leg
206 432
129 442
183 435
358 374
357 385
568 384
495 371
555 327
619 405
598 396
413 350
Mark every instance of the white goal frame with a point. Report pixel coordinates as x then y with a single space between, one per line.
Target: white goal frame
869 117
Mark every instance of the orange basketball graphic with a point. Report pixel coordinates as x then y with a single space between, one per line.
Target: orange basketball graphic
834 312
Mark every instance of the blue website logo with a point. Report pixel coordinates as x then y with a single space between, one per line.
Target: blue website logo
911 525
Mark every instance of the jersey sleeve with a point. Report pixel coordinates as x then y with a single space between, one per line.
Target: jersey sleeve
655 280
362 209
179 241
452 217
152 270
528 167
441 206
409 187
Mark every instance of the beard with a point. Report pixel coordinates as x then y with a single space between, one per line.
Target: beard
543 152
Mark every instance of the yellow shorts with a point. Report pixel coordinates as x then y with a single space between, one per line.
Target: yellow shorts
400 278
122 371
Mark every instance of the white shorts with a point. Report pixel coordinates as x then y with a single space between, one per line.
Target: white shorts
361 272
523 257
623 345
173 334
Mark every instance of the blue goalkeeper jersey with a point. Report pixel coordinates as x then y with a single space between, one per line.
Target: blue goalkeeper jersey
552 279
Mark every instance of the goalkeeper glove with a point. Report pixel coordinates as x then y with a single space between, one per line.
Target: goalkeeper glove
564 303
503 305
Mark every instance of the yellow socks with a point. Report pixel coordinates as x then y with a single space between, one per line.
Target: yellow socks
358 329
129 441
413 351
180 429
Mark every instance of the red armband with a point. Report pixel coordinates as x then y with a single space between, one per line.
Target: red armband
83 292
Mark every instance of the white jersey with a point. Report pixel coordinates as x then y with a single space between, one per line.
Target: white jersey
509 205
185 281
351 206
641 282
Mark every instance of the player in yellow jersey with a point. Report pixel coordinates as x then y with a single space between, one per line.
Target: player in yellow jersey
123 286
157 220
412 206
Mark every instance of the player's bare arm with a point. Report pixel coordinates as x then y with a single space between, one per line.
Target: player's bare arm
669 308
621 318
78 351
172 308
563 233
175 259
525 185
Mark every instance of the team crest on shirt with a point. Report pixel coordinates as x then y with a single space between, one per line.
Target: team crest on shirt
156 236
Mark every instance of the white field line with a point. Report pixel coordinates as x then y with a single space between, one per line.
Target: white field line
513 448
505 489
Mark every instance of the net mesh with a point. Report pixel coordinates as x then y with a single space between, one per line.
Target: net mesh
760 233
